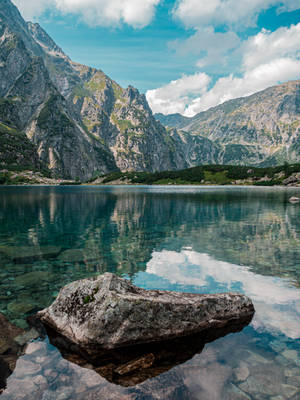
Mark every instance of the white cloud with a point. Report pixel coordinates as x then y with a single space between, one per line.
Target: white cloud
213 47
267 59
275 300
241 13
290 5
174 97
30 9
261 77
265 46
135 13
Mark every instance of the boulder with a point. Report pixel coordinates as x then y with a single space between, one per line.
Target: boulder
294 199
109 312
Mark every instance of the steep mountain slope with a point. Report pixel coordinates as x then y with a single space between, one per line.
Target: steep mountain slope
262 129
81 122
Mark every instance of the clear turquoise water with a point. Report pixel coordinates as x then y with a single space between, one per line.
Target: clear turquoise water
193 239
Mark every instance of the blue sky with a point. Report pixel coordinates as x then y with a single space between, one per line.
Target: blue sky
186 55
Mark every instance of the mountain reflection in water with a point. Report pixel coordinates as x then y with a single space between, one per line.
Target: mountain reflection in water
175 238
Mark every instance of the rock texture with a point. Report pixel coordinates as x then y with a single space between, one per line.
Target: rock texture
110 312
262 129
80 122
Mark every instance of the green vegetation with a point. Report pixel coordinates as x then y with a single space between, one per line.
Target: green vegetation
123 124
118 91
17 153
95 85
52 118
90 298
209 174
80 91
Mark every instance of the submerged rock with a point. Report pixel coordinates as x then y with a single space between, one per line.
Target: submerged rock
30 253
110 312
10 350
294 199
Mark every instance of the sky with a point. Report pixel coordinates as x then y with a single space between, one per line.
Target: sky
185 55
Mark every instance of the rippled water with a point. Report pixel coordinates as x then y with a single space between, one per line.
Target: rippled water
192 239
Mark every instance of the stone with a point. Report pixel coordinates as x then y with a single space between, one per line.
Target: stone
110 312
25 254
235 393
241 373
27 336
294 380
78 255
264 380
19 308
32 278
289 390
40 381
291 355
36 347
9 349
26 367
294 199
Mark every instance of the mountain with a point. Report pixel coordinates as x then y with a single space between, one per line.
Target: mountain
262 129
75 121
79 121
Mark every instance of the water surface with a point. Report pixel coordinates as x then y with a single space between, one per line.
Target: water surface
189 239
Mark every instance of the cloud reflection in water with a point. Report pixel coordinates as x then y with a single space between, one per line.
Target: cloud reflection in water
276 301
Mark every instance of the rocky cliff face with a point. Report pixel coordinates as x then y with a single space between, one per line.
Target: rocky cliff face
262 129
80 121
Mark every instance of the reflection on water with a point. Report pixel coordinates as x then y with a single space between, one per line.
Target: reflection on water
276 301
186 239
132 365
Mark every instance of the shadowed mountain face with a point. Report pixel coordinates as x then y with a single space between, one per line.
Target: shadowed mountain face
262 129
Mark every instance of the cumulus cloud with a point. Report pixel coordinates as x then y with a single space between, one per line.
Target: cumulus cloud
173 97
266 45
268 58
135 13
195 13
212 47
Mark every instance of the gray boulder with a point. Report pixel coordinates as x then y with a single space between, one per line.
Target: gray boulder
110 312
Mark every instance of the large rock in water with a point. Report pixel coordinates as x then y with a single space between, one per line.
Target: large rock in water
110 312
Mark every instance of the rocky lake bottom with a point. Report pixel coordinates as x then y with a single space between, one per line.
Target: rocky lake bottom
188 239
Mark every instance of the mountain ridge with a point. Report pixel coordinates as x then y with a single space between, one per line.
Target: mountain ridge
264 127
82 124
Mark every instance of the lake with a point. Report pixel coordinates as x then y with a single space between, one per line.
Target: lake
189 239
